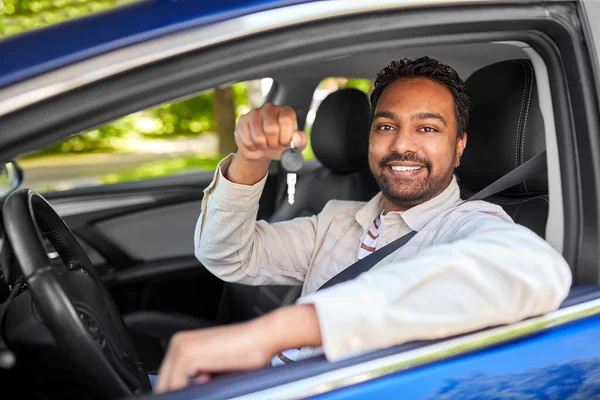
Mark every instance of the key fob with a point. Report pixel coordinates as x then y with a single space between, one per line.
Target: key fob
292 160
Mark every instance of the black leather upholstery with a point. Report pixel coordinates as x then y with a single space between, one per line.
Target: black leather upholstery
506 129
340 141
340 132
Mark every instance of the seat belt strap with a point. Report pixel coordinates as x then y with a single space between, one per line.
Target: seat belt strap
535 166
366 263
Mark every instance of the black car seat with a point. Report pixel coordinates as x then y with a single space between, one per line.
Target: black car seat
340 140
506 130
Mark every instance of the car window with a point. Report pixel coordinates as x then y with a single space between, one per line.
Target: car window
190 135
324 88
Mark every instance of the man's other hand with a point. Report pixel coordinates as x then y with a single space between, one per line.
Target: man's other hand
195 355
262 135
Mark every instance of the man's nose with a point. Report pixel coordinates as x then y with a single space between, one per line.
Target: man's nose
405 142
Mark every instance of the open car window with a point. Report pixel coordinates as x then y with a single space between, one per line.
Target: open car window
184 136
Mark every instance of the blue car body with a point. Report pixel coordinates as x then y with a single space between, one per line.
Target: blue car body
550 357
73 41
560 363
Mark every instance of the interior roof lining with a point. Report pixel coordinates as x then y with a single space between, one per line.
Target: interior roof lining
465 58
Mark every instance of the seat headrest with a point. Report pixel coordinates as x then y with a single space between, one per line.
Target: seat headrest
340 132
506 128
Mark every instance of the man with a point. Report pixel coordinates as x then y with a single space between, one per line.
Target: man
468 267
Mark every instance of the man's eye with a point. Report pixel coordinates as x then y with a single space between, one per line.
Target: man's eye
427 129
385 127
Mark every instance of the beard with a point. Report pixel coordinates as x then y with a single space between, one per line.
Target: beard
411 191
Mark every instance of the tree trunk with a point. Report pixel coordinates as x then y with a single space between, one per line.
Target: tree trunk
224 109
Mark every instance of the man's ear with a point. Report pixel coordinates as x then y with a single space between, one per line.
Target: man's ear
461 143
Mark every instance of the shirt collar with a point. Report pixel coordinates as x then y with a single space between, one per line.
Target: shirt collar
416 217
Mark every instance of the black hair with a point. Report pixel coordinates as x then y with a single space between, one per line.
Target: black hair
431 69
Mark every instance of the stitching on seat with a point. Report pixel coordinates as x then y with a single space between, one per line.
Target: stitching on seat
529 78
519 120
514 216
508 203
530 83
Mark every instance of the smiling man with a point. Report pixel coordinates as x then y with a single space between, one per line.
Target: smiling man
467 267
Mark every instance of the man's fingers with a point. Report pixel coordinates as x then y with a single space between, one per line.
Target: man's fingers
270 114
201 379
166 370
243 134
267 131
256 130
287 125
300 140
177 368
180 378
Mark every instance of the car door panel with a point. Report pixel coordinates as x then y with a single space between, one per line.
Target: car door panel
154 233
140 237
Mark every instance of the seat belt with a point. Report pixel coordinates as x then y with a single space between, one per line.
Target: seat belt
535 166
366 263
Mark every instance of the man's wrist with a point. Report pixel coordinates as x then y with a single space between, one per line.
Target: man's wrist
244 171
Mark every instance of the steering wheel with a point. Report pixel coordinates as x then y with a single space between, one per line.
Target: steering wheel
71 300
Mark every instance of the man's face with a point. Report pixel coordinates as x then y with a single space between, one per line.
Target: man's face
414 147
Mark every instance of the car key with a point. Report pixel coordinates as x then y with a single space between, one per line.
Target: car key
291 161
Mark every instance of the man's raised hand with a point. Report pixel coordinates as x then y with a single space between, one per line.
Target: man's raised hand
262 135
266 132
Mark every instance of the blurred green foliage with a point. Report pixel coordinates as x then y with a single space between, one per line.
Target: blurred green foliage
188 117
23 15
365 85
157 169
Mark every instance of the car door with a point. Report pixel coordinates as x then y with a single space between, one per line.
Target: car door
140 236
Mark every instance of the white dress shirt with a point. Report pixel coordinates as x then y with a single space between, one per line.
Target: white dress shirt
468 267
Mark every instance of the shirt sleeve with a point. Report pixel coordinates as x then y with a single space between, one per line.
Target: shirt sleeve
232 245
493 273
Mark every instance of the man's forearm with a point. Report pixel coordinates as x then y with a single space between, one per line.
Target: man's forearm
499 274
235 247
237 347
289 327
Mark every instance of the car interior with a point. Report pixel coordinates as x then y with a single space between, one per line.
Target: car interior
138 235
339 138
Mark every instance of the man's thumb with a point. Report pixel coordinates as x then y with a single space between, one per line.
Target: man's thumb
300 140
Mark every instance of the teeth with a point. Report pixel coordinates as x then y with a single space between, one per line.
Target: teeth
405 169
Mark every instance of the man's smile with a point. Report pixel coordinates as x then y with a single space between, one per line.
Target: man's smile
404 169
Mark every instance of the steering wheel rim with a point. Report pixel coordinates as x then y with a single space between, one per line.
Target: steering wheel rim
73 303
